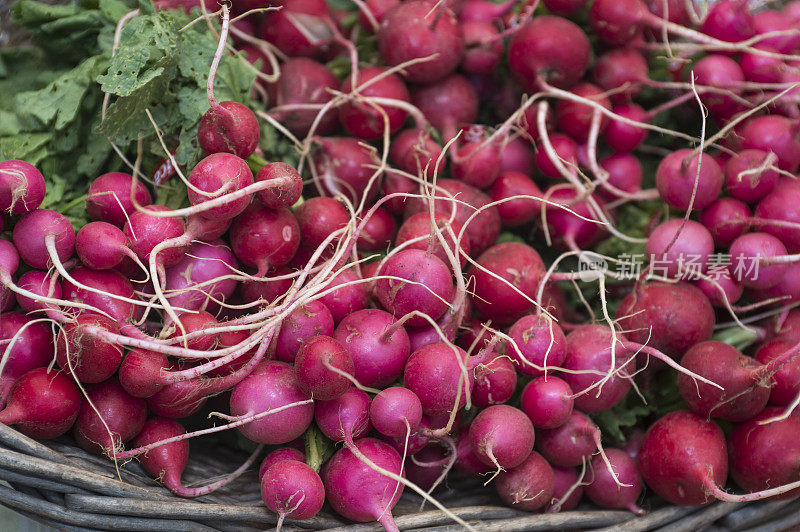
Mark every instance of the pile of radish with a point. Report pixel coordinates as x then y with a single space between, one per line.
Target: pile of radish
410 289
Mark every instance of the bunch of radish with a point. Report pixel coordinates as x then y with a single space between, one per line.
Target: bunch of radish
365 292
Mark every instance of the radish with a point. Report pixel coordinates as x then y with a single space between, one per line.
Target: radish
419 225
786 380
377 343
414 30
417 281
616 23
33 232
729 20
495 381
683 458
342 165
215 176
676 177
140 372
229 127
502 436
727 219
731 291
547 401
539 343
412 150
304 81
395 412
197 280
768 21
529 486
320 368
265 238
750 256
520 270
345 418
567 490
716 70
482 10
624 173
356 490
81 354
146 231
118 418
564 8
111 293
483 49
437 374
746 179
621 492
102 246
378 231
378 9
112 198
299 29
764 455
466 459
195 322
776 134
673 242
284 195
743 396
518 156
318 218
477 163
362 120
571 443
292 489
575 119
345 300
22 187
447 104
565 149
621 68
622 137
518 211
306 321
779 205
42 404
32 347
569 232
272 385
549 47
279 455
655 313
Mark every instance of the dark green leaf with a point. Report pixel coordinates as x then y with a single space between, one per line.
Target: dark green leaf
28 147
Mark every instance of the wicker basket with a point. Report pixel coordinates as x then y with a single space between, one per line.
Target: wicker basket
60 485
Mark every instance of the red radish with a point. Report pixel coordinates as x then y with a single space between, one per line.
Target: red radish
624 173
395 412
107 282
565 148
299 29
495 381
102 246
345 300
319 365
655 314
230 127
565 480
146 231
786 380
768 21
520 211
279 455
540 342
727 219
518 156
42 404
621 68
117 413
140 372
194 322
418 282
292 489
32 348
780 205
378 346
731 290
378 9
569 232
268 288
304 81
529 486
575 119
412 150
482 10
356 490
672 10
306 321
419 225
466 459
776 134
378 231
729 20
683 458
345 418
520 268
571 443
614 22
482 229
564 8
112 198
622 137
547 401
764 455
750 254
549 47
284 195
196 281
82 354
362 120
483 48
22 187
621 492
165 462
413 30
502 436
438 375
447 104
760 68
272 385
676 177
35 229
318 218
214 177
689 239
265 238
342 165
746 179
